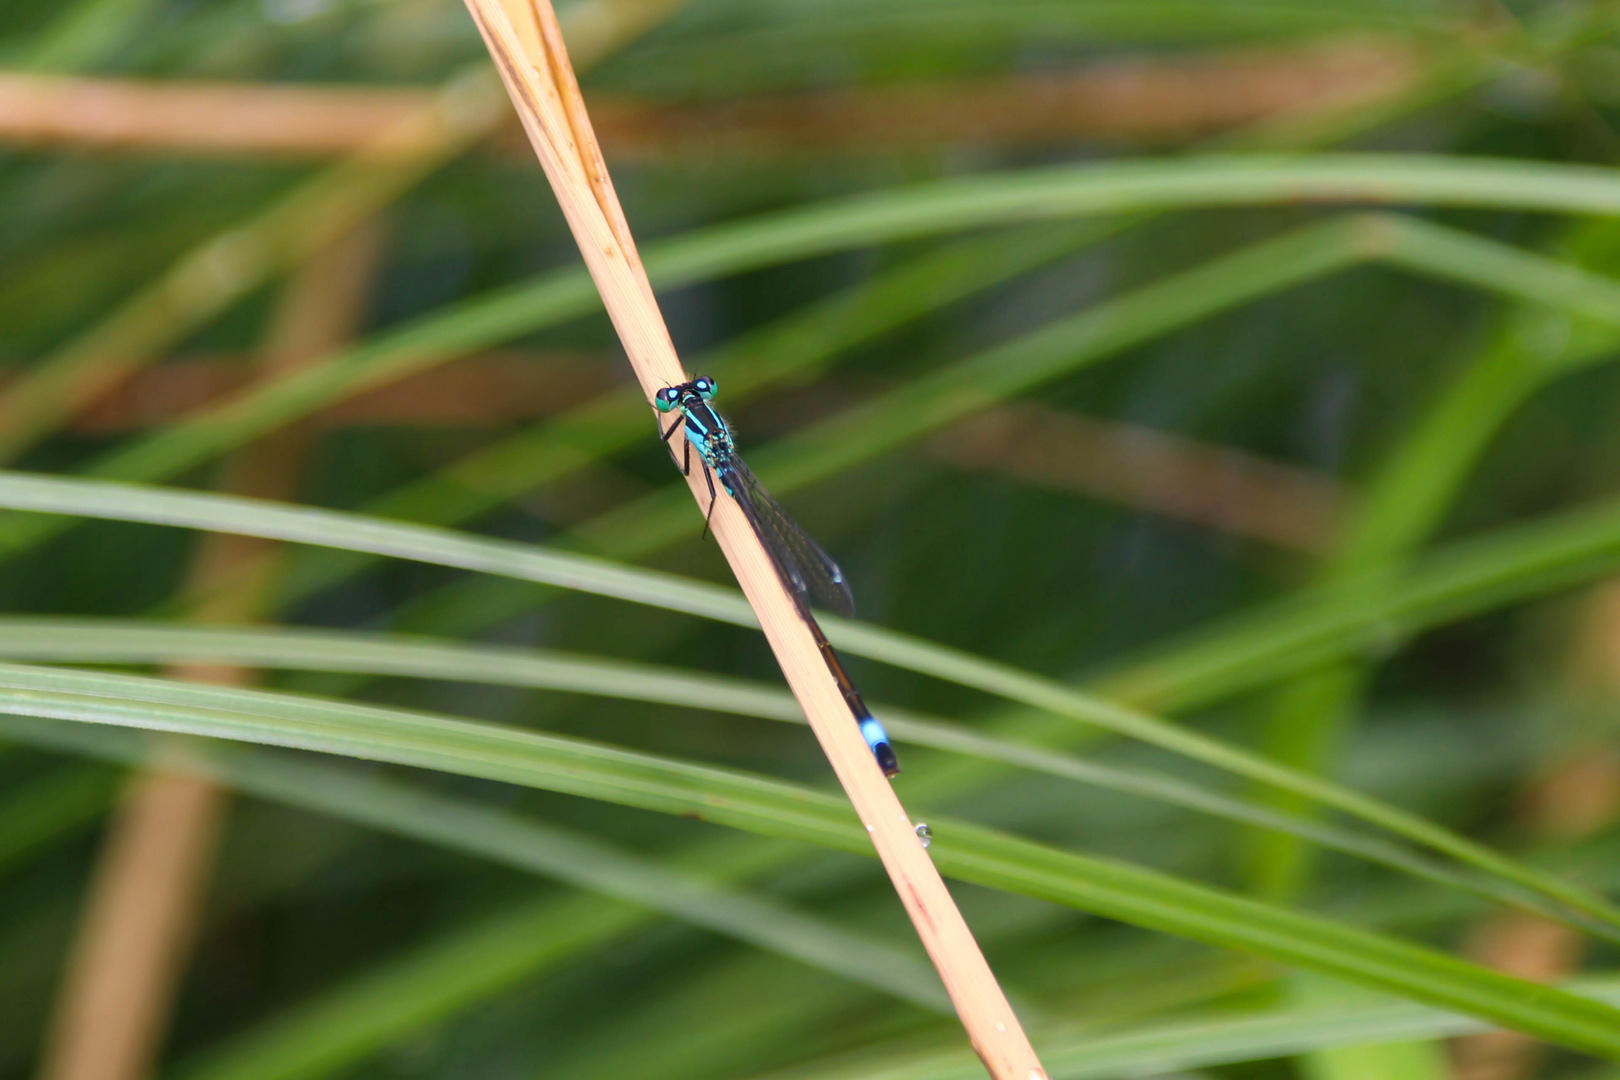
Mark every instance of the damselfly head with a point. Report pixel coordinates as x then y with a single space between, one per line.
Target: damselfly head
667 398
703 388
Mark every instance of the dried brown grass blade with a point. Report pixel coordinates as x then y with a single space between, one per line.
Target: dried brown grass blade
135 931
151 876
528 51
1157 100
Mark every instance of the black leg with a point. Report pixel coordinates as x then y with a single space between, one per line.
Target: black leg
686 470
713 498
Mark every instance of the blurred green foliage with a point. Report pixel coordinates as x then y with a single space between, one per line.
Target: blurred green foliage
1337 759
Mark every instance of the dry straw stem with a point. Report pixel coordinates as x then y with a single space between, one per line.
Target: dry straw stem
1139 99
222 270
1206 484
500 386
1150 99
1209 485
142 911
1576 797
134 936
213 118
527 48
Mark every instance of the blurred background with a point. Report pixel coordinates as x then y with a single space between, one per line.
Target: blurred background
300 250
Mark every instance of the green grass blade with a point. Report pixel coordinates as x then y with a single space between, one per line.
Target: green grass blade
332 529
552 450
822 450
933 401
451 972
598 867
224 269
792 348
1374 613
1167 1049
96 641
548 850
865 221
929 403
974 854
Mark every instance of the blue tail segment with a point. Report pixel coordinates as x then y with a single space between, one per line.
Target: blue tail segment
878 740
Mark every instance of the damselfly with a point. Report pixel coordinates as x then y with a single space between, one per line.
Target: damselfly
808 572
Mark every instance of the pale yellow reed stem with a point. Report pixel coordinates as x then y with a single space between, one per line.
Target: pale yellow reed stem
527 48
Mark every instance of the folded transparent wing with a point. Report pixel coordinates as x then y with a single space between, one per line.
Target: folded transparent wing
805 569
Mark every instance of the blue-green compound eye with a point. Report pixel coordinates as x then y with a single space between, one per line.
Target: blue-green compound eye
667 398
705 387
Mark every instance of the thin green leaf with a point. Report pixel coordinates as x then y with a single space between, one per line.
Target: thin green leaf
969 852
332 529
789 349
535 847
1164 1049
97 641
865 221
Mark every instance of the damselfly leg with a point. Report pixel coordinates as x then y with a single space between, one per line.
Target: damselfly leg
686 468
